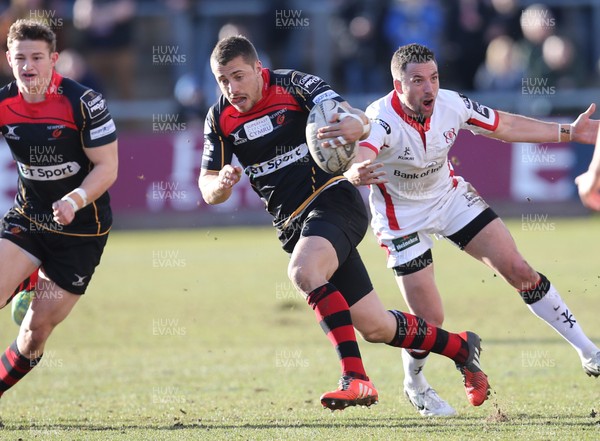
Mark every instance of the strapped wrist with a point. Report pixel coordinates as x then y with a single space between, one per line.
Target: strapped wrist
365 127
565 134
72 202
82 194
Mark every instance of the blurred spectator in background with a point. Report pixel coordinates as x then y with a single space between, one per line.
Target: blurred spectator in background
504 19
356 30
503 66
537 24
71 64
414 21
107 27
465 41
564 68
549 57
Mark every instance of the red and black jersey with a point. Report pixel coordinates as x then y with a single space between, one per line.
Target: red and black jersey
270 142
47 139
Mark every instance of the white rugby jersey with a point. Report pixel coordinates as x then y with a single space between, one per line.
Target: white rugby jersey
415 156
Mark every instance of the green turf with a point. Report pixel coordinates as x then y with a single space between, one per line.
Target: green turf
199 335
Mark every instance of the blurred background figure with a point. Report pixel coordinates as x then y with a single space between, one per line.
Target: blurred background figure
414 21
71 64
504 19
464 43
357 31
107 29
503 68
564 69
549 56
537 24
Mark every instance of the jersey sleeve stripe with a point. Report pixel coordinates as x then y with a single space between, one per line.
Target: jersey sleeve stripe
490 127
369 146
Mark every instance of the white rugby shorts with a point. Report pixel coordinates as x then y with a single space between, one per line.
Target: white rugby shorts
443 217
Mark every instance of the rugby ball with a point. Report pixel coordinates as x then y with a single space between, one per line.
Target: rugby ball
333 160
20 305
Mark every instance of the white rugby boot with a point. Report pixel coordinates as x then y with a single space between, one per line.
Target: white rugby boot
591 365
428 402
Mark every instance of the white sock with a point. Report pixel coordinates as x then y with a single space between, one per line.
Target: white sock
552 309
413 370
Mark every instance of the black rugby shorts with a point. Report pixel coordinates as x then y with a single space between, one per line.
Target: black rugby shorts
69 261
339 215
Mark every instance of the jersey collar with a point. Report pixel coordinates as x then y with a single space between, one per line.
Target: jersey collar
53 87
266 76
397 106
420 128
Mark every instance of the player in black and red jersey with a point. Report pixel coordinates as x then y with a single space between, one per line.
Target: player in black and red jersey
64 143
320 218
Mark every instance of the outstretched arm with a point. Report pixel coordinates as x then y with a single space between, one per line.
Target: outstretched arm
518 128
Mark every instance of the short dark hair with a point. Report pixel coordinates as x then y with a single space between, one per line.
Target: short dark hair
26 29
231 47
410 53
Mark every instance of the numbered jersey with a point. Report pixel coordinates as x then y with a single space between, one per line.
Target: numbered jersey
415 155
47 139
270 142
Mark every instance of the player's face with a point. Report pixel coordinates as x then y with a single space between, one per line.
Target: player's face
32 64
240 82
418 88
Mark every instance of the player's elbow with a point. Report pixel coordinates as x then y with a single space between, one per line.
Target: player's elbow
206 196
211 193
111 175
212 197
210 200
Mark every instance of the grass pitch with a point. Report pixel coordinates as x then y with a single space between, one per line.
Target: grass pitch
194 335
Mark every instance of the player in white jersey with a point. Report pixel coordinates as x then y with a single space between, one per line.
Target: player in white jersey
415 193
588 183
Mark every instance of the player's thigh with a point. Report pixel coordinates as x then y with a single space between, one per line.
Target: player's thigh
495 246
421 294
50 305
328 234
313 262
71 261
15 265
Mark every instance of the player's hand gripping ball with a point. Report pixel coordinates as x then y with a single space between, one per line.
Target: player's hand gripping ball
334 160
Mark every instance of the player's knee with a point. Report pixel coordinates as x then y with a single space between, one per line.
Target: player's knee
375 334
522 276
376 329
35 337
434 318
302 277
432 314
